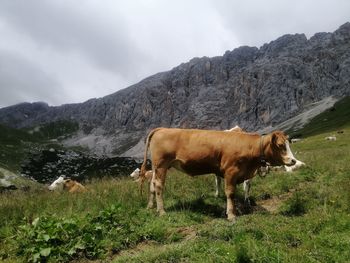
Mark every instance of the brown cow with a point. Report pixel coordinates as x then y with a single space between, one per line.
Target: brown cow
73 186
234 156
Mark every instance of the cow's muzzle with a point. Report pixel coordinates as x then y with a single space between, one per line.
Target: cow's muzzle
291 162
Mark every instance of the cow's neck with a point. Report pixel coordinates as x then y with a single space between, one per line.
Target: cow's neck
259 152
262 152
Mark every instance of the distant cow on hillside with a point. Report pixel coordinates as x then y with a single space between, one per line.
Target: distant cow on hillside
294 140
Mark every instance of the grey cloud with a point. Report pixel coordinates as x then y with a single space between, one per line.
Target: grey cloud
257 22
21 80
87 48
68 28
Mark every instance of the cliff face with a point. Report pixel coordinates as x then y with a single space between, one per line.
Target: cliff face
251 87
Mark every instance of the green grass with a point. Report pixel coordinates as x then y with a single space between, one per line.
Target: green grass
309 222
110 222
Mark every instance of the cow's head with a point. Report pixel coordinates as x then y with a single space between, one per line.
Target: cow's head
68 183
281 153
135 174
57 184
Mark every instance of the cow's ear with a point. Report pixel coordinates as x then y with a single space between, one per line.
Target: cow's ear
277 139
274 139
67 180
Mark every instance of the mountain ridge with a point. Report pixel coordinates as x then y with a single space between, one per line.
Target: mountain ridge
249 86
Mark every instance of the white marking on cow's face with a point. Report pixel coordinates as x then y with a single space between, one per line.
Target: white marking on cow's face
135 174
57 184
295 166
288 158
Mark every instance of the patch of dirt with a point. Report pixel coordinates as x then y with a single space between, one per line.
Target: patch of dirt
188 232
140 247
273 204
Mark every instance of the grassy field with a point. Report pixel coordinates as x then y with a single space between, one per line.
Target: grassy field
298 217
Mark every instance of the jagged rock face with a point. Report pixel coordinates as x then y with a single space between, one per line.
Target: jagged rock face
251 87
45 166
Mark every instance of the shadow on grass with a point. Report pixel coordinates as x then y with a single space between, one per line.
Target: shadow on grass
216 209
200 206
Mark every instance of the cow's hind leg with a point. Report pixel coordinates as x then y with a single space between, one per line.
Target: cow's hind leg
159 182
152 191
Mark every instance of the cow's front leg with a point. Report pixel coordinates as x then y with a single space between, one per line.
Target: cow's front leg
230 191
159 183
246 188
218 185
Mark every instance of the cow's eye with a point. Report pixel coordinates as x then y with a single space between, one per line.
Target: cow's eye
281 145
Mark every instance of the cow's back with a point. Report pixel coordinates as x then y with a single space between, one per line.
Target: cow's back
196 151
184 142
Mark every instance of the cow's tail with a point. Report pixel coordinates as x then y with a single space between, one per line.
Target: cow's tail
142 177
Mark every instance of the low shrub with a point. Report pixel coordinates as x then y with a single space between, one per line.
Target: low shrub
294 206
60 239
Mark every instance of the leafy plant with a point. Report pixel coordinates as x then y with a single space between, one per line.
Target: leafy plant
60 239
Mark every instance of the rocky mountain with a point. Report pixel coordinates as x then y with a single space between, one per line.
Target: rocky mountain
249 86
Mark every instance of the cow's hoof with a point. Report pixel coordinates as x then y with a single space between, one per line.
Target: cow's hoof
162 213
232 219
150 206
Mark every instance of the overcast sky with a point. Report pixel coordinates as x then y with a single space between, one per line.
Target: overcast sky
64 51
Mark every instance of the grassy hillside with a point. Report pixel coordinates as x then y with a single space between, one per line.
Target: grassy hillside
332 120
15 144
298 217
54 130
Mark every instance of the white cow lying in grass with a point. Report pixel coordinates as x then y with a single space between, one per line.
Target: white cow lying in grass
70 185
136 174
57 185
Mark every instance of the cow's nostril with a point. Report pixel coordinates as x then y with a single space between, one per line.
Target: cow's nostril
294 161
